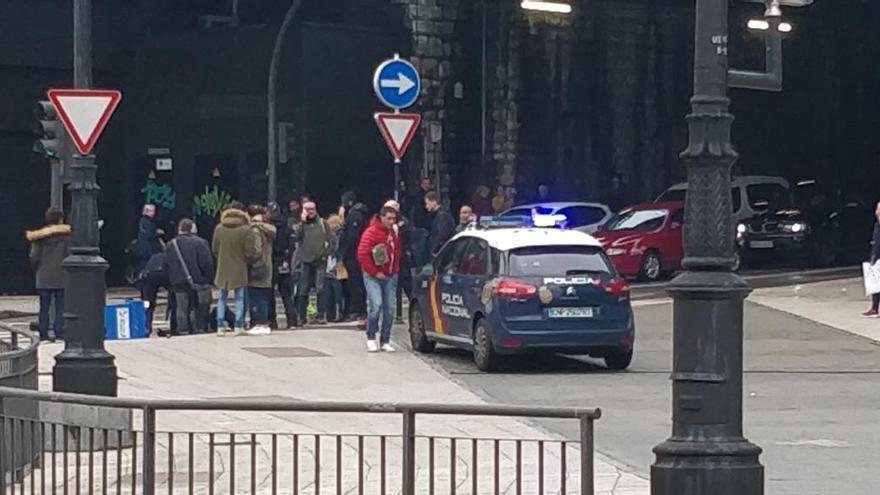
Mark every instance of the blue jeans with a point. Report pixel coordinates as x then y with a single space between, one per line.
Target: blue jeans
239 307
258 299
47 296
333 303
381 301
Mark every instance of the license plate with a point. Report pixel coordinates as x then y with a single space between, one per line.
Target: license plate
761 244
571 312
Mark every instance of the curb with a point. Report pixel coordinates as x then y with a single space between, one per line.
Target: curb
10 314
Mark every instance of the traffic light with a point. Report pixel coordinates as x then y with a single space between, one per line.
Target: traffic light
50 130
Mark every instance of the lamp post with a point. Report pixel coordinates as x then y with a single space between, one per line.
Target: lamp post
272 101
707 452
84 366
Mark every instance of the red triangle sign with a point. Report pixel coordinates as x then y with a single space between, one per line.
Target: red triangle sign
398 130
85 113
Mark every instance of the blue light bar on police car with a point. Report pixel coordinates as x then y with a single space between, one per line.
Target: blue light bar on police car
548 221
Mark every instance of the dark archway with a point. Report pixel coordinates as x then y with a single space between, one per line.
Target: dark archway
338 46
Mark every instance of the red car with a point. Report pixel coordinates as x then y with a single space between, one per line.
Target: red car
645 240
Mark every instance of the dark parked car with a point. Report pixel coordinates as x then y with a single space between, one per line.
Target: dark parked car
812 227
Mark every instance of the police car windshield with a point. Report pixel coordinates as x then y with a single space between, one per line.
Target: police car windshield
642 220
558 261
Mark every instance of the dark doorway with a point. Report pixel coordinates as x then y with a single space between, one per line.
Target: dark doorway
343 149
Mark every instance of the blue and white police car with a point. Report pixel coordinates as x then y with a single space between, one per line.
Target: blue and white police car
508 291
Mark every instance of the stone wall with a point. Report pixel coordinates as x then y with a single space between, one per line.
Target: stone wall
434 48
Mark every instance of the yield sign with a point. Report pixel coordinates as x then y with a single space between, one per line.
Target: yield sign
398 130
85 113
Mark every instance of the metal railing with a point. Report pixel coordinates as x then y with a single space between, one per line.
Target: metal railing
18 358
75 459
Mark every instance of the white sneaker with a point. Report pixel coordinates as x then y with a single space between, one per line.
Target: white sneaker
388 348
260 330
372 346
221 332
238 332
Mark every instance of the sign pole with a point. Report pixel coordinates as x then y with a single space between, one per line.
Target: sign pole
84 366
397 84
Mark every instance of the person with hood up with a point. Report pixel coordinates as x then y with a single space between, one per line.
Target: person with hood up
356 216
443 227
49 246
281 266
230 247
379 253
259 255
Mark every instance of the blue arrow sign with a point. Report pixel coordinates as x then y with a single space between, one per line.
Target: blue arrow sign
397 83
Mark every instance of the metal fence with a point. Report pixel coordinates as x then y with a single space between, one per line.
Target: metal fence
18 368
18 358
65 458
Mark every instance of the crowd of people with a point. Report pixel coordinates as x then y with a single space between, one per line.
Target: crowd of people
352 260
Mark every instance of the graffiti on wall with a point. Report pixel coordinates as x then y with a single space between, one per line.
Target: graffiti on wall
161 195
209 203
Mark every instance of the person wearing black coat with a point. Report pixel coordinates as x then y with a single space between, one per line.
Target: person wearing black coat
875 256
49 246
443 227
147 243
282 281
356 217
151 278
190 267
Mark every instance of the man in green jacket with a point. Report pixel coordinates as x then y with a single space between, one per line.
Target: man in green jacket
314 241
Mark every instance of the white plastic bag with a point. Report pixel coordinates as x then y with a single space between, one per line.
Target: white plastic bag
871 274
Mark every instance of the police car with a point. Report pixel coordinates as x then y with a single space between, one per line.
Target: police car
517 290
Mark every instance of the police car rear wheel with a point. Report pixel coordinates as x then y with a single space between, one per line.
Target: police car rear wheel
417 336
619 360
485 356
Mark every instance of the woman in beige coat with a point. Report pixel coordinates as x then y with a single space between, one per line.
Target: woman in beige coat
259 255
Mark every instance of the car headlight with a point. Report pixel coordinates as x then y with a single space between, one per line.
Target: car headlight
741 228
795 228
616 252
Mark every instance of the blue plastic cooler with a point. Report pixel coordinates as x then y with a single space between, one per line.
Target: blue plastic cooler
125 320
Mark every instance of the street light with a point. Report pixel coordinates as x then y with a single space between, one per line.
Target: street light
552 7
272 101
707 452
764 25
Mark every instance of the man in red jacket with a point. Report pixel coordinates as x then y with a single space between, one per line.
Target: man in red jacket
379 256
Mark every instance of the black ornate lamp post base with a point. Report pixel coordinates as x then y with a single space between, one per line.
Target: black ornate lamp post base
719 468
707 453
84 367
86 373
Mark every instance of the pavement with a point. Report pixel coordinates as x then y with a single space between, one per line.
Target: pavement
810 388
812 366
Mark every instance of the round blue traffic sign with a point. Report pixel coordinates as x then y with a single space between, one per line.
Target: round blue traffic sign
397 83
